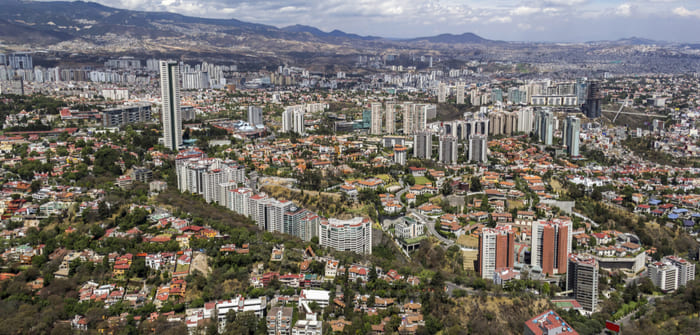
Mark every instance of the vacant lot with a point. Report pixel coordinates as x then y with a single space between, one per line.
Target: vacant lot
199 263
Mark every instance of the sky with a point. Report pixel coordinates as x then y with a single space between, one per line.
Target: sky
508 20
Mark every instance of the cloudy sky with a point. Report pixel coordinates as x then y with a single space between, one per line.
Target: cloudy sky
511 20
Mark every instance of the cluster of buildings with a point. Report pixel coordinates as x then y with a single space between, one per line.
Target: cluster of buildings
532 236
671 272
382 118
218 181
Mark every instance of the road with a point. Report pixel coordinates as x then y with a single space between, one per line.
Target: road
451 287
632 113
430 224
328 189
428 221
586 218
627 319
400 193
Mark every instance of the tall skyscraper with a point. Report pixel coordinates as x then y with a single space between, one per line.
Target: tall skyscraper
456 128
415 117
420 117
551 245
423 144
409 110
593 96
477 148
511 123
497 123
496 95
376 127
448 149
170 96
442 92
460 94
390 125
255 115
19 61
400 154
274 214
582 278
572 129
525 118
293 120
292 222
580 90
496 250
544 126
517 96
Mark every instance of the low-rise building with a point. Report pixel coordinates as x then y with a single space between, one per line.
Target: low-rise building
548 323
664 275
321 297
308 326
347 235
279 321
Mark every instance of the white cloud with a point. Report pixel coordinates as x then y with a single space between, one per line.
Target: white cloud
289 9
624 10
682 11
501 19
524 10
566 2
551 10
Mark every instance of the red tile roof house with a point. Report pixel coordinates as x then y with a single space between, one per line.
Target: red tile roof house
643 208
418 171
430 209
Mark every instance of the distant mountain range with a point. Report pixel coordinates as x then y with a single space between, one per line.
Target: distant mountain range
89 28
466 38
39 23
298 28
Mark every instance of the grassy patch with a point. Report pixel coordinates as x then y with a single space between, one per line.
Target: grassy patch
182 268
422 181
515 204
468 241
415 239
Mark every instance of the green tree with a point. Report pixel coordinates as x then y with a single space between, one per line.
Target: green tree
475 184
106 160
103 210
410 180
446 188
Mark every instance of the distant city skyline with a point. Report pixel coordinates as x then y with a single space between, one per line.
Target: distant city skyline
508 20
